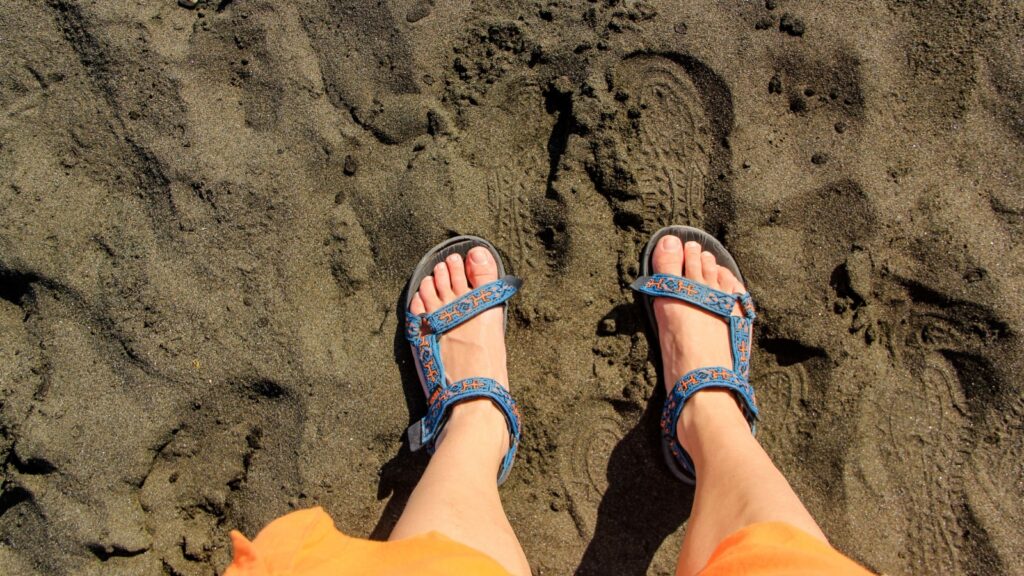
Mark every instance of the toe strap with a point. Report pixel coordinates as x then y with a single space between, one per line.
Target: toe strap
696 293
691 383
463 308
426 431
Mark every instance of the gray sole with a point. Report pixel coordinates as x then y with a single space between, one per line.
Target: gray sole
460 245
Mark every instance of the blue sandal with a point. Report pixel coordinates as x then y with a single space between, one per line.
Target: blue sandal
423 331
717 302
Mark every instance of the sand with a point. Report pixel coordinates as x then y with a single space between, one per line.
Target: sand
207 217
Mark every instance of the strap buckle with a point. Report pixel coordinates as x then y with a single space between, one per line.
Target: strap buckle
747 303
416 433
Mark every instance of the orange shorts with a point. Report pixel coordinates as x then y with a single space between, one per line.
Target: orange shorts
306 542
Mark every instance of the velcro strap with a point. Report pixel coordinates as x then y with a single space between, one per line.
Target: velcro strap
426 431
702 295
472 303
693 382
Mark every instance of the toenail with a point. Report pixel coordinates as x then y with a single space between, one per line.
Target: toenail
671 243
453 258
478 256
692 245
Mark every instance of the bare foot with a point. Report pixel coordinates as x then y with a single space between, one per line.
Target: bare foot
475 348
694 338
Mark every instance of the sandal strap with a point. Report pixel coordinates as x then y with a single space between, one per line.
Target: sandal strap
471 304
427 351
426 431
693 382
740 330
425 342
701 295
735 379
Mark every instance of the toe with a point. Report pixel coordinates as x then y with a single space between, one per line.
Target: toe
668 256
416 306
728 282
709 269
457 272
481 267
429 294
691 262
443 282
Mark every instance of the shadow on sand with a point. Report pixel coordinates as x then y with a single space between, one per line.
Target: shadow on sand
399 475
642 506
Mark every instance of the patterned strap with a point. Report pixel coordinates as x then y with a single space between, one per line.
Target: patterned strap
427 351
691 383
735 379
472 303
740 330
702 295
427 430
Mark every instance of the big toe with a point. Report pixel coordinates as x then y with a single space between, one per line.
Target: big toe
668 256
481 267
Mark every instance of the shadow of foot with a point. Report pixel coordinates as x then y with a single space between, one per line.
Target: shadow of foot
642 505
398 478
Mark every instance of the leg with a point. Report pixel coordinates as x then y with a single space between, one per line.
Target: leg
458 493
737 484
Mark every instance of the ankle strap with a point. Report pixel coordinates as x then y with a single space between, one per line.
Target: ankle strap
426 431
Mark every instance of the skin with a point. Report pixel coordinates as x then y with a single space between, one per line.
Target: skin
738 483
475 439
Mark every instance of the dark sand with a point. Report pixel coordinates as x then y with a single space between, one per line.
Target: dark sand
207 217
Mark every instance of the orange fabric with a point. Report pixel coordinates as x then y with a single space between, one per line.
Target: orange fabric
777 549
307 543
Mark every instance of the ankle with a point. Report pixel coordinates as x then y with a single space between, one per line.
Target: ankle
710 416
477 421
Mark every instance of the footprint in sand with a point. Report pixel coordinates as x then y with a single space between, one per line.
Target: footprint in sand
584 463
511 132
781 393
784 389
996 489
669 152
925 434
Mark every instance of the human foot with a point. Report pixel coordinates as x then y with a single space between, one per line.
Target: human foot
475 348
692 338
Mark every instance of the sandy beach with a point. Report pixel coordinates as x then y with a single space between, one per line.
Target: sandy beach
208 216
